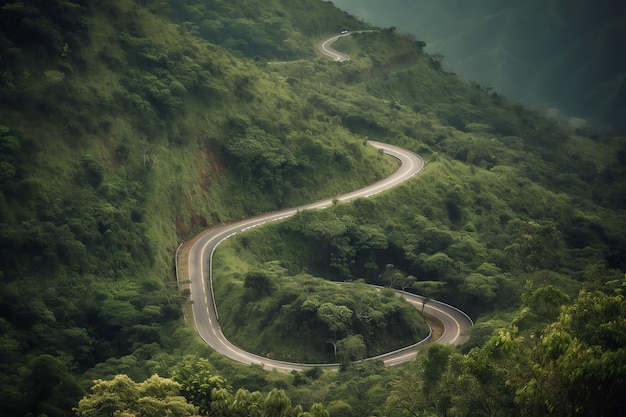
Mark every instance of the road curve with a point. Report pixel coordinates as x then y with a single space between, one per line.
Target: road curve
324 47
198 258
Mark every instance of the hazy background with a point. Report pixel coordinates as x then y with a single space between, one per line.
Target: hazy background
567 55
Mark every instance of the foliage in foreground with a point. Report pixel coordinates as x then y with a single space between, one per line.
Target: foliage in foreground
554 359
194 390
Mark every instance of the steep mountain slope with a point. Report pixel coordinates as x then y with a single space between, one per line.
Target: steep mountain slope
560 54
122 134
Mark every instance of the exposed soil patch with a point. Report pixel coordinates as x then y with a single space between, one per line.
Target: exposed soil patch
436 325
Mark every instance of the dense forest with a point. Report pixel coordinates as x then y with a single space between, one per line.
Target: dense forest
128 126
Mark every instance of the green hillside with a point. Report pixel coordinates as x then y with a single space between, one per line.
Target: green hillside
126 127
561 56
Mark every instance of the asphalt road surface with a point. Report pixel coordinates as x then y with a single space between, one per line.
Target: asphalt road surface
198 256
324 48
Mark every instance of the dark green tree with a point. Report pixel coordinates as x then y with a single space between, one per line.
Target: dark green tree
259 283
51 389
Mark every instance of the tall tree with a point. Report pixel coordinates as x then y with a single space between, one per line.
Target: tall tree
337 318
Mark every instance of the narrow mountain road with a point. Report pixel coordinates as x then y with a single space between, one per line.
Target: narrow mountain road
194 264
324 48
196 256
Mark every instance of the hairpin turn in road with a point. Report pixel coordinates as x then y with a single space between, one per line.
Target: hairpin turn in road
197 255
194 265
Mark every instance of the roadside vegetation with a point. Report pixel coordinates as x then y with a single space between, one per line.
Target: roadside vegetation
128 126
301 318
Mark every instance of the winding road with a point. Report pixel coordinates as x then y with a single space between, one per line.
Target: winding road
324 47
194 264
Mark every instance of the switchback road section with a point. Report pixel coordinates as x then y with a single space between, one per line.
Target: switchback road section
194 261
